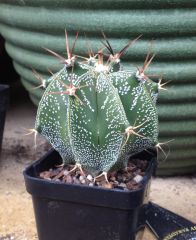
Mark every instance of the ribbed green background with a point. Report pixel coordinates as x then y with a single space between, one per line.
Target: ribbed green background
30 25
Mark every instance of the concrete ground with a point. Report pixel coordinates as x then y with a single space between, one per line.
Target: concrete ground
16 214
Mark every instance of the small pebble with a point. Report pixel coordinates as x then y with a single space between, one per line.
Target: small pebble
69 179
120 178
124 178
83 181
131 184
78 173
66 172
81 178
90 178
107 185
47 178
123 185
45 174
75 180
112 174
115 183
138 178
113 179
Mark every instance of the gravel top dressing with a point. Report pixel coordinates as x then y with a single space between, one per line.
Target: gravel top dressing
127 179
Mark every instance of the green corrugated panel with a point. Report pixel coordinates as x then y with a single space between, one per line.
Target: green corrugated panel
184 47
176 71
180 142
171 171
30 25
104 4
117 23
178 128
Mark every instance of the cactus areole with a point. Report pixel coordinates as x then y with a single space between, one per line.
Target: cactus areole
95 114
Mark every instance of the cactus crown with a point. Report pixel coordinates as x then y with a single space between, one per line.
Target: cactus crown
95 114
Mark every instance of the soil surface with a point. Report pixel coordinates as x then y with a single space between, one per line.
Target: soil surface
127 179
178 194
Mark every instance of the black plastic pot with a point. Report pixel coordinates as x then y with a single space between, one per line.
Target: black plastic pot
75 212
4 102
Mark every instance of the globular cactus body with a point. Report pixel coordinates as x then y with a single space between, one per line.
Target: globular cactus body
97 115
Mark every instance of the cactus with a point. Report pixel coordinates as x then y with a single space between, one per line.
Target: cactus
95 114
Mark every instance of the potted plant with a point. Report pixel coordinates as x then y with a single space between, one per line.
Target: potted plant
97 117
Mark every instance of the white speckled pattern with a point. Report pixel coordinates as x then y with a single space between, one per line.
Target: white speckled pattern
89 128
